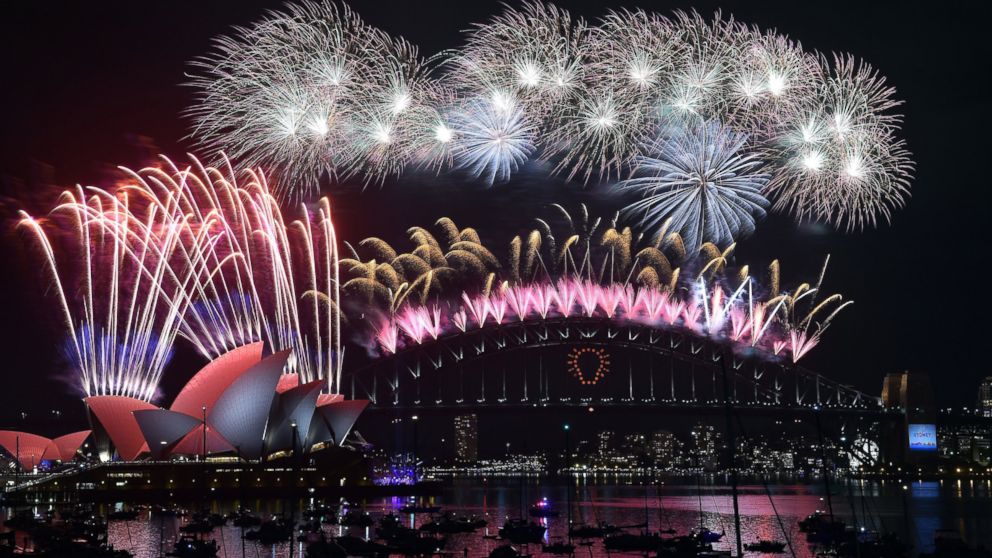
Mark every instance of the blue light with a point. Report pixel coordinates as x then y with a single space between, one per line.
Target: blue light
922 437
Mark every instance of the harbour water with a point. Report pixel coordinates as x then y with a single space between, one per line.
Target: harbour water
768 511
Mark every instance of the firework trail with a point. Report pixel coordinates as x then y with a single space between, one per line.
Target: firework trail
731 315
273 280
315 91
191 253
122 303
603 273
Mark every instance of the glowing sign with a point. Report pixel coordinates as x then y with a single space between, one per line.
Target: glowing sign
602 364
923 437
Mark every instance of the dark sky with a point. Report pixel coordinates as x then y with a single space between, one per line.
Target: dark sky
87 86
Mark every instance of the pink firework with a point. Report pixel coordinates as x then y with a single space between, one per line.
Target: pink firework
588 295
710 313
799 344
738 324
519 300
388 337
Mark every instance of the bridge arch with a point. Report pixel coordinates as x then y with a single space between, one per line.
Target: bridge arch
527 363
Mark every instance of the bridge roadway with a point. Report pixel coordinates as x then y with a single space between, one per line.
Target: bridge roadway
594 362
670 408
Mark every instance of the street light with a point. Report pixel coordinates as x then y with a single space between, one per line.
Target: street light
204 409
568 483
415 420
566 428
293 426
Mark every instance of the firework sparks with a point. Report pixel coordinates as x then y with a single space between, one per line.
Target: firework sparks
707 312
122 303
699 178
311 91
658 285
494 140
190 253
315 91
842 162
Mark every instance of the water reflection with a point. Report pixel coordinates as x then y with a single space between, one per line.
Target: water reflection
916 510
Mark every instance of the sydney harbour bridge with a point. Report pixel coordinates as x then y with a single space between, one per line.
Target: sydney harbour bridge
594 362
558 365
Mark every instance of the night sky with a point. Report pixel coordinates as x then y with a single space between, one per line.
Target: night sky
88 86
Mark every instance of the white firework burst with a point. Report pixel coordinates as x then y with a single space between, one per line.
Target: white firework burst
294 93
772 75
840 160
315 91
702 179
493 140
535 53
597 136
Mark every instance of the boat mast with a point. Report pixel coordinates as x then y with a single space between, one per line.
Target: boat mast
823 463
568 485
732 454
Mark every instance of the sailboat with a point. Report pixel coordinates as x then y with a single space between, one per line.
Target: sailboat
543 508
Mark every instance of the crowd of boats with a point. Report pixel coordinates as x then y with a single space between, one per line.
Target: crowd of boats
80 531
75 531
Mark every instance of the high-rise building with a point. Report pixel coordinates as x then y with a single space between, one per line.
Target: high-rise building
892 389
913 393
964 441
605 441
466 438
707 443
665 448
985 397
634 444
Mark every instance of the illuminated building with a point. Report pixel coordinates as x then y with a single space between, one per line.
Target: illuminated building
31 451
985 397
913 393
241 404
634 443
665 448
965 441
706 445
466 438
605 441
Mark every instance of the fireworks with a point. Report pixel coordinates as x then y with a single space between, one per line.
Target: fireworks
314 91
455 260
492 142
842 162
121 303
707 310
192 253
597 272
387 278
699 178
706 121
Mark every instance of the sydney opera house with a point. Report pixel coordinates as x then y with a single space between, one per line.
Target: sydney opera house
241 405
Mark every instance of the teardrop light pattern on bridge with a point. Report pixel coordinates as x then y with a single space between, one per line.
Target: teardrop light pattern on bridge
575 358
